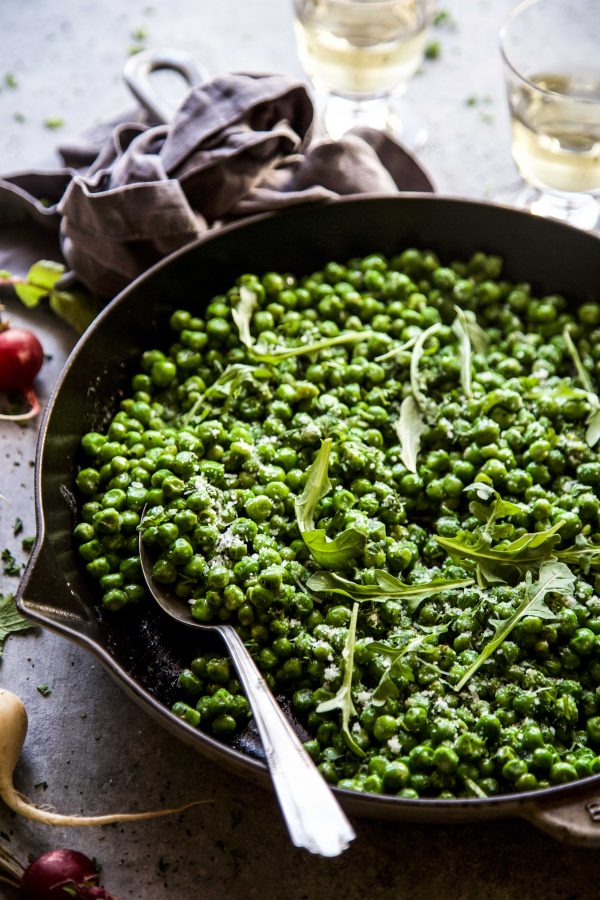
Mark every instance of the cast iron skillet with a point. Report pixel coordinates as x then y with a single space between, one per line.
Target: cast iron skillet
144 652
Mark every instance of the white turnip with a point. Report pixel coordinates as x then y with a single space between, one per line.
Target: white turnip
13 728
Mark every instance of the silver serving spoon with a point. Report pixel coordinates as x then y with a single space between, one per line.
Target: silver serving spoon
314 818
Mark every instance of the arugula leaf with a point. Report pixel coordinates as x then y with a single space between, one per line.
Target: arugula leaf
11 621
334 553
343 698
494 563
396 351
228 384
582 553
387 587
409 428
488 512
345 546
76 308
554 578
464 350
242 314
417 384
582 372
592 434
470 336
386 689
316 487
275 354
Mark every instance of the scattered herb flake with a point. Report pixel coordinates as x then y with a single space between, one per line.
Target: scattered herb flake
433 50
18 526
41 784
9 564
139 34
44 690
53 123
27 543
11 81
11 620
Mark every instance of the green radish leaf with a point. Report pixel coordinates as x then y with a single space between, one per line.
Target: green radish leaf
554 578
45 274
409 428
343 698
75 308
29 294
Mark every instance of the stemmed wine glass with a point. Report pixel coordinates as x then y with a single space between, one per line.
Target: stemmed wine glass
551 56
360 56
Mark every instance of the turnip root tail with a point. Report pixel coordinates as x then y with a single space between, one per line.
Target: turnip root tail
13 728
34 408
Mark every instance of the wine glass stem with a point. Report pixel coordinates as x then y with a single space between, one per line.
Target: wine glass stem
580 210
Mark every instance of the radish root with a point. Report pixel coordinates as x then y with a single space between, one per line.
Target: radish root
13 728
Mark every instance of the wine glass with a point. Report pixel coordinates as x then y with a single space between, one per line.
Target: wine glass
360 56
552 66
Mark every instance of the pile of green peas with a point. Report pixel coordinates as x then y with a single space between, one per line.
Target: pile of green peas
218 460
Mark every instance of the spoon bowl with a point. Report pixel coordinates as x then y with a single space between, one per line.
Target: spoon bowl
313 816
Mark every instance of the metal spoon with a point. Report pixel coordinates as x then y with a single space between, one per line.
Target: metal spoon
313 816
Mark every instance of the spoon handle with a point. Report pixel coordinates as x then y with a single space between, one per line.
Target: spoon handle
313 816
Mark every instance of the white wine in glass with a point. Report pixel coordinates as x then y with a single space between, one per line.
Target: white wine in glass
552 66
359 53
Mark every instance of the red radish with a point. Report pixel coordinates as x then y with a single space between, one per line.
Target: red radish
48 876
21 358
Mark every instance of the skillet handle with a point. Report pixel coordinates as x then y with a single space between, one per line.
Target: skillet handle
574 819
139 68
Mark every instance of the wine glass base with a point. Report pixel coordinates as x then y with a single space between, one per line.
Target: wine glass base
336 115
580 210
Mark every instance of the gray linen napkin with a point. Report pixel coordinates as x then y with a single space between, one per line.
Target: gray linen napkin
239 145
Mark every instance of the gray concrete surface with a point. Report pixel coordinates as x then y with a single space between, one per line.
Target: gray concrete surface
89 748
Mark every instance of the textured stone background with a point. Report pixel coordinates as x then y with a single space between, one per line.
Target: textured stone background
96 751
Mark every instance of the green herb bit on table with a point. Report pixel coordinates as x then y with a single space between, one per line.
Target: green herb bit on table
385 474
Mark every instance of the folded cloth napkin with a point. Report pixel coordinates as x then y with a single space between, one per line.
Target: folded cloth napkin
239 144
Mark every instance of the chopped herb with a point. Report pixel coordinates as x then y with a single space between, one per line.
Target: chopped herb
11 81
17 526
44 690
41 784
9 564
19 117
433 50
444 19
11 621
53 122
139 34
27 543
